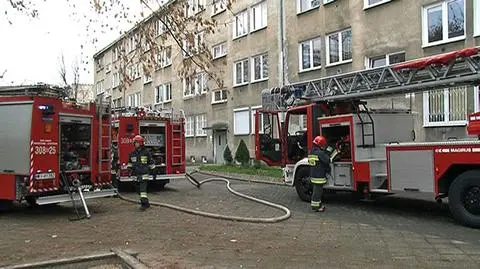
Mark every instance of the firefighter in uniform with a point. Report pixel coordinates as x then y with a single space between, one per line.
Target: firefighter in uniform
140 162
319 162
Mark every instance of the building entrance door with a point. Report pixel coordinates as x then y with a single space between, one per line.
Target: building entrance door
220 140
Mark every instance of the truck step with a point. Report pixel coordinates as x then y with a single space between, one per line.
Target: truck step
61 198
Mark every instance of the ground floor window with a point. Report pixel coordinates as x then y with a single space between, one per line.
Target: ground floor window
449 106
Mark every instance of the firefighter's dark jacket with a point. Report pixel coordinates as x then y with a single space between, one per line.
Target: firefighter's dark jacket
140 161
319 163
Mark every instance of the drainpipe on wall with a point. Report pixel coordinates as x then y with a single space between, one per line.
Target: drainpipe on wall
283 73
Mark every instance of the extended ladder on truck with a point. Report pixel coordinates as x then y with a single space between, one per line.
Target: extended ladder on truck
454 68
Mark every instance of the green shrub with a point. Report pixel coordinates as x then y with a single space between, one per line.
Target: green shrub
242 155
227 155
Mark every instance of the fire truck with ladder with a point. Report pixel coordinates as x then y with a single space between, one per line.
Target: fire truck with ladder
375 152
53 150
163 131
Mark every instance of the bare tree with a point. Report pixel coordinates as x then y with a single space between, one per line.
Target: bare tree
72 88
3 74
181 23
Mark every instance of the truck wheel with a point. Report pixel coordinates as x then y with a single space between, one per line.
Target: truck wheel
464 198
303 185
31 201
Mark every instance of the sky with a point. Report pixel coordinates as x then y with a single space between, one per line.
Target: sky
30 48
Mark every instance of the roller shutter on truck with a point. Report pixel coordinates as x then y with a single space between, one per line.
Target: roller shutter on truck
15 131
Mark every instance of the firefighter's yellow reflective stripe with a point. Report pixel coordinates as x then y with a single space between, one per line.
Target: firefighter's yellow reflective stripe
133 159
143 159
144 177
318 180
334 154
129 165
152 166
312 159
143 194
313 203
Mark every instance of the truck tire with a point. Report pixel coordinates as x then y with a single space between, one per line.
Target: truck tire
464 198
303 186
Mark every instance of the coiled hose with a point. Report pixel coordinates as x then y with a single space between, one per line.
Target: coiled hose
219 216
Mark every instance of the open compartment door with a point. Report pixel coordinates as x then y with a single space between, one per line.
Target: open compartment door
268 138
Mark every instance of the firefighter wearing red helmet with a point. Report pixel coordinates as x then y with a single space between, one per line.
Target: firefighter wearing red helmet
319 162
140 162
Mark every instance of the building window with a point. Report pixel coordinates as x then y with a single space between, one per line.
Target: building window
134 100
189 126
163 93
258 16
445 106
194 7
200 123
240 72
372 3
100 88
384 60
240 27
165 57
443 22
241 121
115 54
339 47
219 6
195 48
254 112
219 96
117 102
147 79
310 54
305 5
219 50
116 80
196 84
260 67
476 17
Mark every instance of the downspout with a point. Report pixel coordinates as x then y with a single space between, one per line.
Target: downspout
282 56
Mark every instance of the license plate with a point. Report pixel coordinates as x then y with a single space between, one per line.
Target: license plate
45 176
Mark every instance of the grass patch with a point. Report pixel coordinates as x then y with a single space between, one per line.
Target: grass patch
262 171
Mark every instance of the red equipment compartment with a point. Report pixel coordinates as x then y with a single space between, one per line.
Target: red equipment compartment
8 188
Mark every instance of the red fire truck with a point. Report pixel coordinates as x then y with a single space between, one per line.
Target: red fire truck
377 150
163 131
53 150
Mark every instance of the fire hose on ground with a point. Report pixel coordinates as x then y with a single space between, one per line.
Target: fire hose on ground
196 183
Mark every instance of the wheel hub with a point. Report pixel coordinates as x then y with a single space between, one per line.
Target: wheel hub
471 200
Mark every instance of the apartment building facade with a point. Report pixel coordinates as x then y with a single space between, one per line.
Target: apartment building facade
265 44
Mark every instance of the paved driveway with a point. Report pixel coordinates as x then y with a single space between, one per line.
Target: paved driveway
391 233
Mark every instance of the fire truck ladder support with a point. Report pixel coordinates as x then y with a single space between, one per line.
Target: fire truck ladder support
105 135
196 183
456 68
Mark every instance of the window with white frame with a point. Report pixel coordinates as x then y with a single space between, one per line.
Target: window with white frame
476 17
117 102
241 72
194 7
134 100
163 93
445 106
372 3
241 121
160 27
100 63
196 84
258 16
254 112
339 47
219 6
387 59
443 22
100 87
219 50
189 126
147 78
305 5
165 57
115 54
219 96
240 27
260 67
195 48
200 123
310 54
116 80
